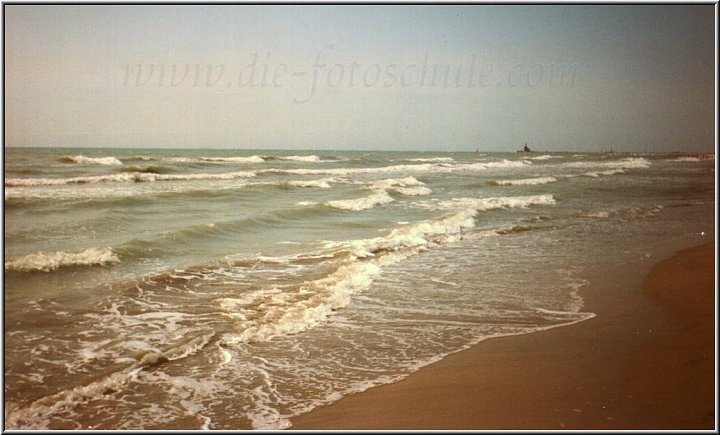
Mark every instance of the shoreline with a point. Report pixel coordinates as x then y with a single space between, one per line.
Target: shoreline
645 361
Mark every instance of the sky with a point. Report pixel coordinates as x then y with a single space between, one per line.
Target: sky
363 77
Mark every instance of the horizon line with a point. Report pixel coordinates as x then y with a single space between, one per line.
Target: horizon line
601 151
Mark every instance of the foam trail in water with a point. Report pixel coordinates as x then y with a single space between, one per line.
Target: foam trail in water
48 261
38 414
526 181
544 157
250 159
596 174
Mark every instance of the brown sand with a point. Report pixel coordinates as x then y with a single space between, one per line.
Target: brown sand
646 361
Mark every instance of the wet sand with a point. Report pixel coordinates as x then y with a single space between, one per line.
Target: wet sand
646 361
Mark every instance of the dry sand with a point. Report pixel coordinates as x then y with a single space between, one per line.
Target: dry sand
646 361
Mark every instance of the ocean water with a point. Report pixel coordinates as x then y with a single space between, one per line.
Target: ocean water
223 289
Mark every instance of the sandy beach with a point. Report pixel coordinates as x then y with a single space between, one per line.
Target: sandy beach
646 361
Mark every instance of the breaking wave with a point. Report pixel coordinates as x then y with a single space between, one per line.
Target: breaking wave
544 157
413 191
361 260
247 159
323 183
433 159
311 158
250 159
90 160
288 315
628 163
126 178
49 261
491 203
396 182
377 198
439 168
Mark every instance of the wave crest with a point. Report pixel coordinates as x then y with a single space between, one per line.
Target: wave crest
377 198
323 183
126 178
250 159
49 261
91 160
311 158
434 159
628 163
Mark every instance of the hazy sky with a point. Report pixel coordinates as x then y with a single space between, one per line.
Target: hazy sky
361 77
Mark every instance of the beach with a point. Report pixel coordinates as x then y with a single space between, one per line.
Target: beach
646 361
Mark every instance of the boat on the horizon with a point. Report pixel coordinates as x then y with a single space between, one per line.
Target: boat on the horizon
525 149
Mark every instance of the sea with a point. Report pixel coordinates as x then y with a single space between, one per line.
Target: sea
236 289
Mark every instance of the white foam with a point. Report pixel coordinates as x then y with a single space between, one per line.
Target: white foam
74 180
200 176
323 183
597 214
48 261
526 181
311 158
482 204
686 159
181 159
396 182
544 157
271 312
378 198
350 171
95 160
502 164
250 159
409 186
627 163
126 178
37 415
433 159
596 174
284 315
438 168
419 234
